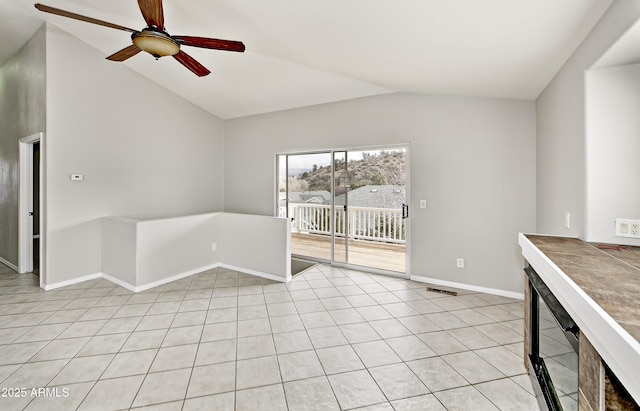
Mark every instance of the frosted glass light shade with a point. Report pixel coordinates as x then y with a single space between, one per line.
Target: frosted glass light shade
156 44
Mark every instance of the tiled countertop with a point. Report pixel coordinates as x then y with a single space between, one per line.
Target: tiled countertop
605 273
599 285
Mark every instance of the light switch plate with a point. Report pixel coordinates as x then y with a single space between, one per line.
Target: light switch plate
77 177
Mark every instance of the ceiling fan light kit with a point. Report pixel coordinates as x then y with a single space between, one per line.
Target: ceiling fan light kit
153 39
156 43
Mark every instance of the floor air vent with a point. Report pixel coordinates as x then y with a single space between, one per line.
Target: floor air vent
439 290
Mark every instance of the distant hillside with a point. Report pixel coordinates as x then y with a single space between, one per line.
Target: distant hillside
384 168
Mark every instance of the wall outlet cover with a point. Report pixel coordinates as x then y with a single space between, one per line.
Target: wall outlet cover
627 228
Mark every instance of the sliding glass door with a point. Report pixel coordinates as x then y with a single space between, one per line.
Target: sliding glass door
305 197
375 204
347 207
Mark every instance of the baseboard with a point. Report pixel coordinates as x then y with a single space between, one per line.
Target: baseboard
119 282
137 289
172 278
469 287
256 273
49 287
8 264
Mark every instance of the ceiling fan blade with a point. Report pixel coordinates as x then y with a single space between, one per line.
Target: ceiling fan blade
207 43
75 16
190 63
124 54
152 12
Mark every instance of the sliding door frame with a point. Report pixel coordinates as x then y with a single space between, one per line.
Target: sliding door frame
332 152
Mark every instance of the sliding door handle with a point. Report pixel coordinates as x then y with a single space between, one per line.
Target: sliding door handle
405 211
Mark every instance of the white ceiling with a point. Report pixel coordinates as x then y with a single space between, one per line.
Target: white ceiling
302 53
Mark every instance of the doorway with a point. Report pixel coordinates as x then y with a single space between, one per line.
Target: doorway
35 207
347 207
30 240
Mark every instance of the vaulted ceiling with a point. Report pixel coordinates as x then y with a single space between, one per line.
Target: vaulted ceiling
301 53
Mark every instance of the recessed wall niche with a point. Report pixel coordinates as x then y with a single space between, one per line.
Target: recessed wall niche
612 140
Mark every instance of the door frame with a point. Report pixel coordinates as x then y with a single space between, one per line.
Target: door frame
334 227
25 201
407 148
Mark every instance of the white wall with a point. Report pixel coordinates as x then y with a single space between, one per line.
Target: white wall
612 150
472 159
560 127
144 152
256 244
173 246
22 113
140 254
119 249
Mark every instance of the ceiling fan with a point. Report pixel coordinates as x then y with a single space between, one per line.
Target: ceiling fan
154 39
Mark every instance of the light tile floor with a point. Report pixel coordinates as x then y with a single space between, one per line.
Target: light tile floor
331 339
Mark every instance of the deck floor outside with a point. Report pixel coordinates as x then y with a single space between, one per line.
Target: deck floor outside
383 256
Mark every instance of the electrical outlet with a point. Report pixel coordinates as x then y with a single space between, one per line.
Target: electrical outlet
627 228
460 262
423 203
214 246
